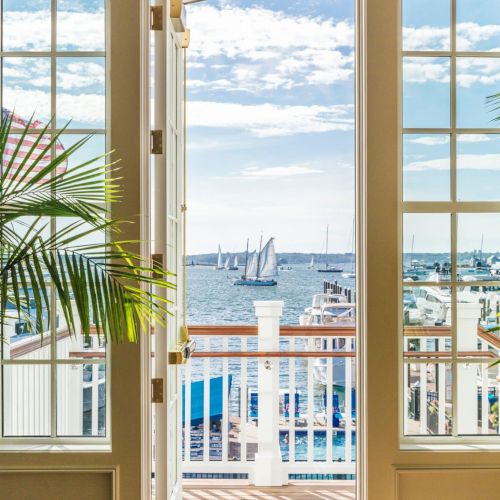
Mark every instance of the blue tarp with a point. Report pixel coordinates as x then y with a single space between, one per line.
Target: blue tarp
197 400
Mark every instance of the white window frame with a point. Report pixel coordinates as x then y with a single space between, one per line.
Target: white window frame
453 207
55 442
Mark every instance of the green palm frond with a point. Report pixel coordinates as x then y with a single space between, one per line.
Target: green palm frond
103 286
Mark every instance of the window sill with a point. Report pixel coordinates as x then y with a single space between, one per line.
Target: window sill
453 447
55 448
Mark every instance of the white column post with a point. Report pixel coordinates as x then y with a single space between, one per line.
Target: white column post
467 320
268 467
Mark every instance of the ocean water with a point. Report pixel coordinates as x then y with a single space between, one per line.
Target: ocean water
212 299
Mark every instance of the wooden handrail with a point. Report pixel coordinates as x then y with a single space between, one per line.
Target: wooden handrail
285 330
448 354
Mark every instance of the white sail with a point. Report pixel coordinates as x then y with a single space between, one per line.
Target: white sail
219 259
268 262
312 262
236 261
226 264
252 265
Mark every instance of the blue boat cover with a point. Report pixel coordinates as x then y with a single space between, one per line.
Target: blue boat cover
197 399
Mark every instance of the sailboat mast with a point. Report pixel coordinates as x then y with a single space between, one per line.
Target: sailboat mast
258 260
326 249
246 259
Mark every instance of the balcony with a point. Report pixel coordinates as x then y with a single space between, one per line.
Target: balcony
270 404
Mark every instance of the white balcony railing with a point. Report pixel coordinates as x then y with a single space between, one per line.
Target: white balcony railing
269 402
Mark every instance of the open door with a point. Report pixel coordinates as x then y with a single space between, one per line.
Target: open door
430 231
167 181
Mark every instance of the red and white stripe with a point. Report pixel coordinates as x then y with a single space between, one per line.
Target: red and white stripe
29 140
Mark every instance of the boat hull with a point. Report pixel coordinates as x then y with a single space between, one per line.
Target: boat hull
333 270
243 282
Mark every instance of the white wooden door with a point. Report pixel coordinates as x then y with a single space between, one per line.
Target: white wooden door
167 227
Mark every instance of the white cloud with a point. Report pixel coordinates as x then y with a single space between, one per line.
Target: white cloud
85 30
271 120
471 138
464 162
423 70
480 70
431 140
279 172
469 37
270 49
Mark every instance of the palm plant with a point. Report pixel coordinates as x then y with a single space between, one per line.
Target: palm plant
106 286
493 101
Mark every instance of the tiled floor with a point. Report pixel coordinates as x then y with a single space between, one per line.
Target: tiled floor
236 490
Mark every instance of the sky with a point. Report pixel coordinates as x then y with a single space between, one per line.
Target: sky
270 124
271 113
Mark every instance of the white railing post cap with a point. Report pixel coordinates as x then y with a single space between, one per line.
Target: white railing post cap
268 308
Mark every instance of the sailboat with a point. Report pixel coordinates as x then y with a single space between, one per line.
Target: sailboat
352 273
234 267
226 264
311 264
328 268
260 267
219 266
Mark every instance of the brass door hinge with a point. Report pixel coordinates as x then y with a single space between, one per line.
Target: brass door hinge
185 39
157 142
157 18
157 390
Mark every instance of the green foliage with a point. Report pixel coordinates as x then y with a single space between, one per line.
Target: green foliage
105 285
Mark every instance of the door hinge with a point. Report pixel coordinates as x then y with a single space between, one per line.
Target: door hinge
157 18
157 142
183 352
157 390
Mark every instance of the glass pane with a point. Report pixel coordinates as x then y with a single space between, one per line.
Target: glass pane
478 167
426 167
478 241
26 87
26 397
477 320
81 92
426 247
476 80
80 25
426 92
81 400
26 25
478 25
477 398
427 319
95 147
426 25
427 399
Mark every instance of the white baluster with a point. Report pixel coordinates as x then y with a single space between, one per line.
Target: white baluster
268 469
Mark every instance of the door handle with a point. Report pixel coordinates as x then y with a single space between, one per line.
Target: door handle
183 352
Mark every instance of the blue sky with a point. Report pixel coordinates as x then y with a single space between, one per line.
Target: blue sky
271 130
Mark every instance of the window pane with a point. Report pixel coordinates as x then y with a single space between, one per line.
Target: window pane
477 398
478 167
81 400
428 399
26 396
426 92
427 319
426 25
477 309
26 25
426 247
477 78
80 25
26 87
478 241
426 167
81 92
478 25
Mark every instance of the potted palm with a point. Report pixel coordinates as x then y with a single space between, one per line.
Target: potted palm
99 283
